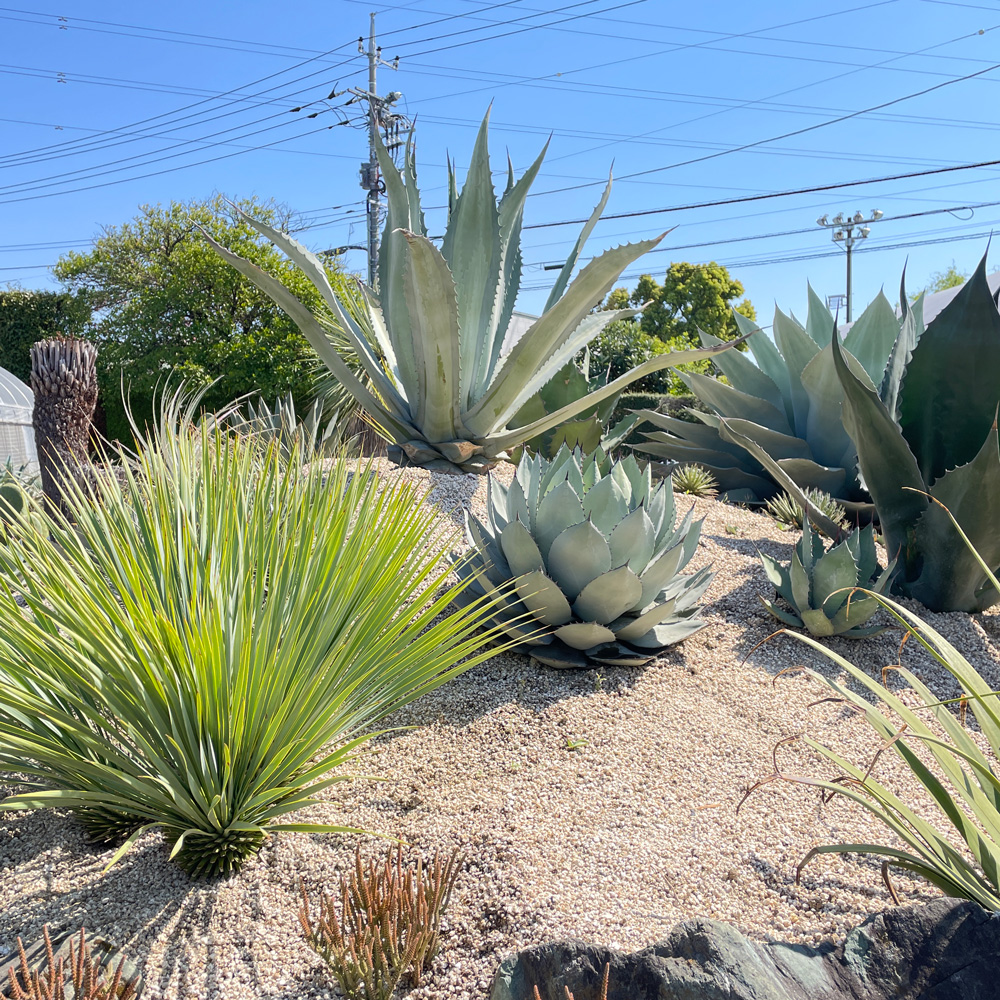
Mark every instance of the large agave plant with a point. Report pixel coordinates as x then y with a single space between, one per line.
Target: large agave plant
818 584
595 554
442 388
788 404
926 442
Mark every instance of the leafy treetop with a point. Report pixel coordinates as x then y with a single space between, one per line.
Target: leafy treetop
166 305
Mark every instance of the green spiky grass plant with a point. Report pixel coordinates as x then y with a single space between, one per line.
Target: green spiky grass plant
205 648
959 776
788 511
695 481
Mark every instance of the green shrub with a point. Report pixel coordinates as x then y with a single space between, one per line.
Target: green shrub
203 649
28 316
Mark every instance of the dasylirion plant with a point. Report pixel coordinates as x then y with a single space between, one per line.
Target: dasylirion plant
927 443
201 648
787 404
444 386
595 553
818 585
789 513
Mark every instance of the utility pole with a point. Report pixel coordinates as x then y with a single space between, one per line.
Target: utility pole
380 117
844 232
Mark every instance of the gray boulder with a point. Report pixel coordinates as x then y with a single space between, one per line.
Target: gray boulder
946 950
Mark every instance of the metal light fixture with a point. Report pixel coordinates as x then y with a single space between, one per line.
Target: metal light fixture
848 231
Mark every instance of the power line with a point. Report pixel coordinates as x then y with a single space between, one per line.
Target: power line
770 195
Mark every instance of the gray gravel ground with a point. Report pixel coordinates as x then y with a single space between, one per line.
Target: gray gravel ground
613 841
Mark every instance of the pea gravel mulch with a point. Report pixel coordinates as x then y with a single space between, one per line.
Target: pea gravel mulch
591 804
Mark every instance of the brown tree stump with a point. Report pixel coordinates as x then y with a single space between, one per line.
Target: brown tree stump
64 381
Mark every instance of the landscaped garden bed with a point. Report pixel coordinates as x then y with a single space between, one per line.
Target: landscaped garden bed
595 804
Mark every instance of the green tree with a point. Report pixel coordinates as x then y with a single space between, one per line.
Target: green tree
29 316
950 277
167 306
692 297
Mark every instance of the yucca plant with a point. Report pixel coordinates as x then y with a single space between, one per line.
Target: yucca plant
787 404
389 925
442 390
85 973
595 554
694 481
819 585
959 776
205 648
929 434
788 511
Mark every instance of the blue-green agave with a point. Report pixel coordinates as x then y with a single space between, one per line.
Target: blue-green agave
927 443
595 554
788 404
818 584
441 387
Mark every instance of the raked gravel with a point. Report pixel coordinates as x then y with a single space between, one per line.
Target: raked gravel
589 804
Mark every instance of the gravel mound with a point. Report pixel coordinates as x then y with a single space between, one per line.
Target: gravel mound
593 804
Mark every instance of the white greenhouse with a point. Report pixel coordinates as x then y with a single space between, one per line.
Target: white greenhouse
17 438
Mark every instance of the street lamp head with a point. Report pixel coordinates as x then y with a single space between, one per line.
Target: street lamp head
858 217
838 235
876 214
865 230
839 219
821 221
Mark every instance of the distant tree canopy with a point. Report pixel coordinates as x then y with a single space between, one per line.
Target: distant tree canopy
950 277
29 316
692 297
166 306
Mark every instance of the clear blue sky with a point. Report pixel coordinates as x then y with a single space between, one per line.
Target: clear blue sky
122 104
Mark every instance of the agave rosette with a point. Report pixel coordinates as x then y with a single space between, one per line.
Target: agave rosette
786 402
819 584
445 386
595 552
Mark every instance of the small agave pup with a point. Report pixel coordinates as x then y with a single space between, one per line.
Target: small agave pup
595 551
431 338
818 584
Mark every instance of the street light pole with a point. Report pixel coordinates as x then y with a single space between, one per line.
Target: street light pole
849 230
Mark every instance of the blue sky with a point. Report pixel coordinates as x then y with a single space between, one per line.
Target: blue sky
122 104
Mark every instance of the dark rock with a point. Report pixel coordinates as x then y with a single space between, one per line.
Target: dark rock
946 950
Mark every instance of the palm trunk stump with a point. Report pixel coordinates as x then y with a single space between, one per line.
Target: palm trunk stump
64 381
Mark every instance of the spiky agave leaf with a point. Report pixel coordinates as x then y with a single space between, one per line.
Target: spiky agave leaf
204 648
442 391
595 554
